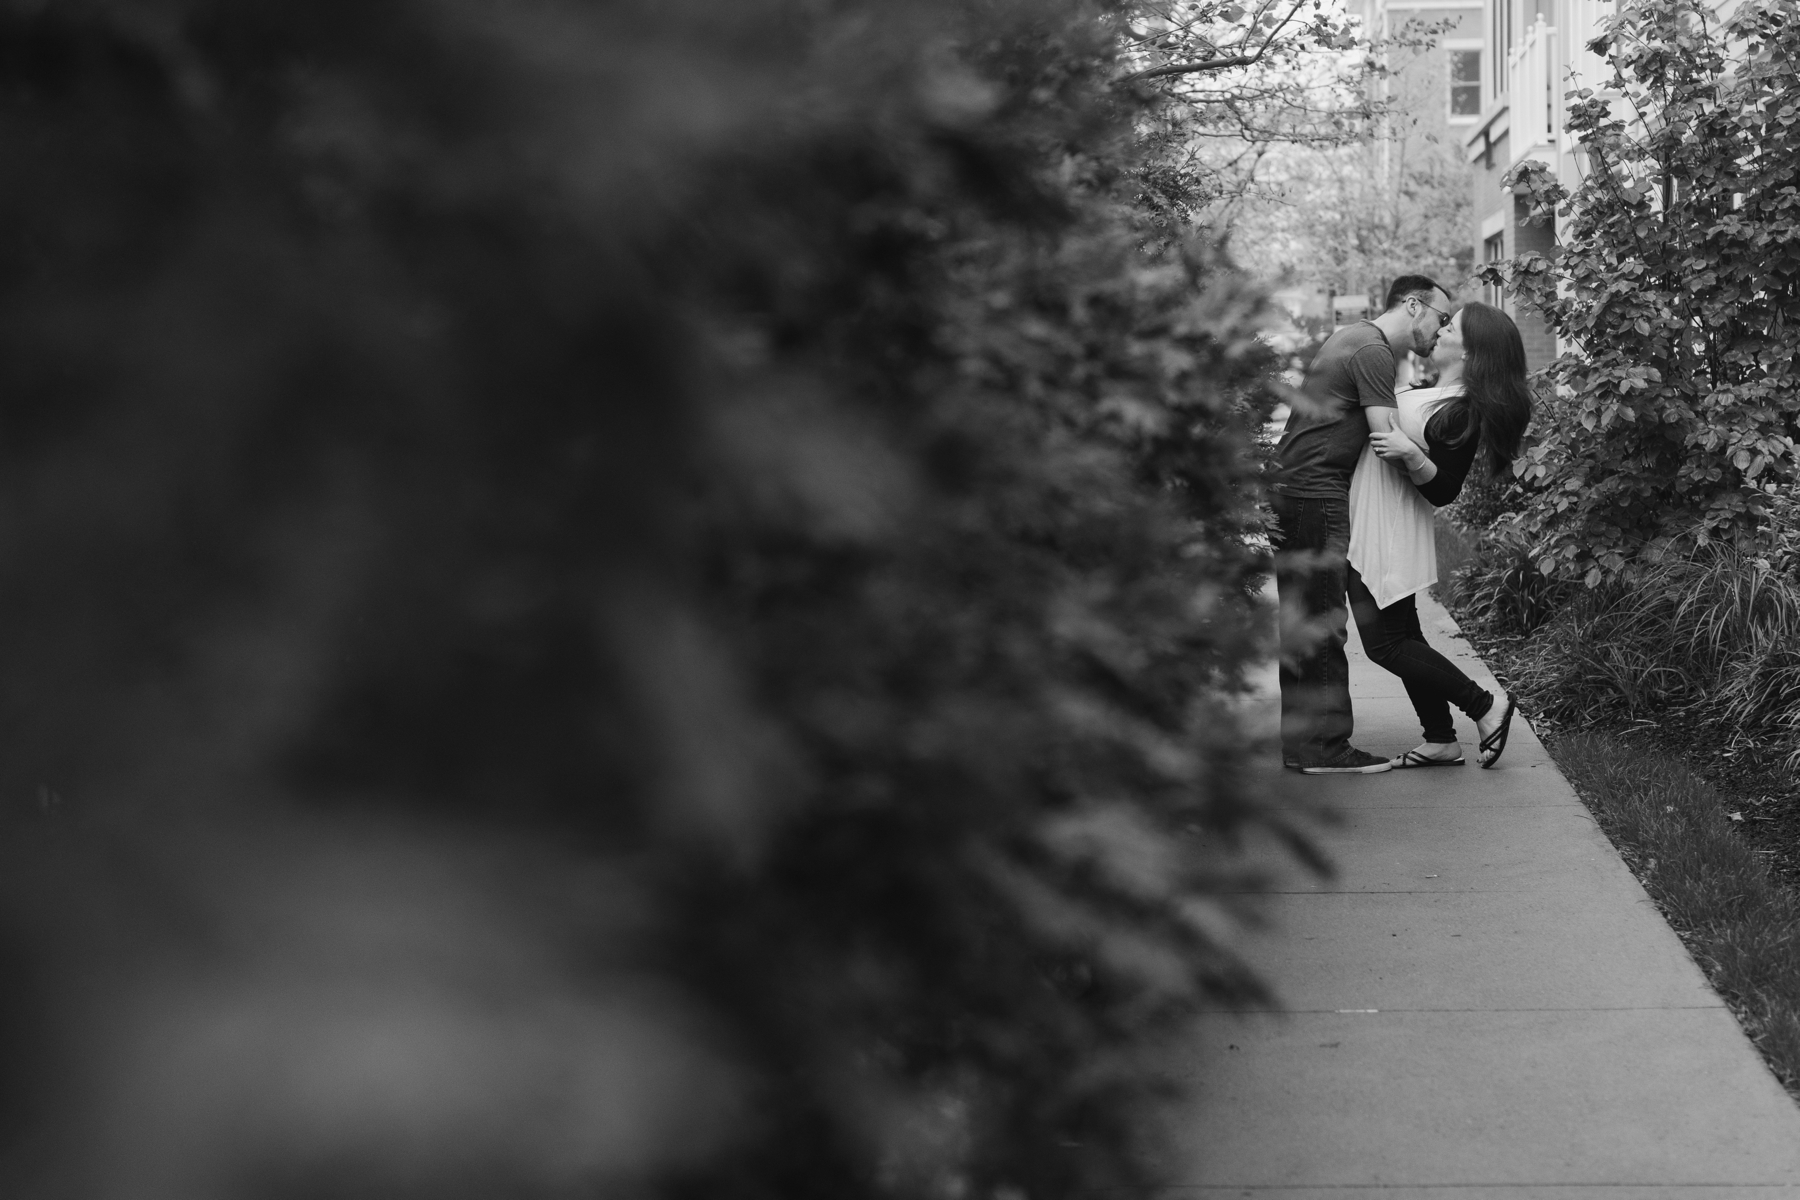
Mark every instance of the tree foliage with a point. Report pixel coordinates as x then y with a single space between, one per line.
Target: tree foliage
1231 84
1351 216
633 598
1676 287
1199 38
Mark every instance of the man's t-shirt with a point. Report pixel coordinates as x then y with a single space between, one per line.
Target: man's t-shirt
1352 371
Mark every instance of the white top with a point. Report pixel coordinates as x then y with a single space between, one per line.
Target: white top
1393 536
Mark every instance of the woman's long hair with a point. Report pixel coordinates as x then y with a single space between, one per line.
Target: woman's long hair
1496 402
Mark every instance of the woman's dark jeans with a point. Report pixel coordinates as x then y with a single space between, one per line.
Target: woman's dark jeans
1392 638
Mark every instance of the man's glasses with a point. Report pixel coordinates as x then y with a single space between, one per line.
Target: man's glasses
1443 317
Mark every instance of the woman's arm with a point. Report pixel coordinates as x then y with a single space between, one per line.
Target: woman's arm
1453 463
1395 447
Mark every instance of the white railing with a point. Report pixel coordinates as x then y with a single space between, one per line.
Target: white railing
1581 22
1531 77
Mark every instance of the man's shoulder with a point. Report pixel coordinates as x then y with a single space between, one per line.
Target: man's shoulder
1369 337
1352 340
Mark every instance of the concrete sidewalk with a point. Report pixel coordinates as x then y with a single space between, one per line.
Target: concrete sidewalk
1483 1004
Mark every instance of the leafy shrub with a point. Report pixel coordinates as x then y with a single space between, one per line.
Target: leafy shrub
1712 637
1487 497
1778 541
1675 406
634 598
1502 586
1456 547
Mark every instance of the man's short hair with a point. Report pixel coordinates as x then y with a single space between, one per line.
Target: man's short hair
1410 285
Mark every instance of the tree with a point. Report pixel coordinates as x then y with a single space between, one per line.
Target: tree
1671 415
1189 40
1231 86
1353 215
646 598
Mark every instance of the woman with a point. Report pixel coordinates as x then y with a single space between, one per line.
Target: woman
1481 402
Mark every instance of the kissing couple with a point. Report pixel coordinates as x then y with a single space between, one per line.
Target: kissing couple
1361 472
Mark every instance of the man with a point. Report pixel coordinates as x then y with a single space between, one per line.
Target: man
1351 384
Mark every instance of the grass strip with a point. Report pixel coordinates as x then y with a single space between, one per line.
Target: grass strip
1737 920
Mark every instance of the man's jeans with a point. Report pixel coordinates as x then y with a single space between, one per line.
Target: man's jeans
1312 537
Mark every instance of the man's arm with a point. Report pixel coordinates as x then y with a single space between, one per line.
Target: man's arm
1372 370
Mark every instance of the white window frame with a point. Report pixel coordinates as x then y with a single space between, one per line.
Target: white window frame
1450 46
1490 293
1500 35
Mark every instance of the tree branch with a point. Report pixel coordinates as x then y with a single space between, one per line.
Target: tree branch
1276 32
1214 64
1176 29
1211 64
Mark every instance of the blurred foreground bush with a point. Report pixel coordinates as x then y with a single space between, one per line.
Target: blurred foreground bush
605 599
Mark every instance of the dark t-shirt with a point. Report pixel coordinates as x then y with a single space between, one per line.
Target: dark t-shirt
1352 371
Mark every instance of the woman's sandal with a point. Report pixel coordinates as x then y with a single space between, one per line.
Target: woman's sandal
1412 758
1495 742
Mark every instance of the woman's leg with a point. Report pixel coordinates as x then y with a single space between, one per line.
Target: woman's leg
1393 639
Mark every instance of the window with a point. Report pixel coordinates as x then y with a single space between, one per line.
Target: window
1493 250
1465 83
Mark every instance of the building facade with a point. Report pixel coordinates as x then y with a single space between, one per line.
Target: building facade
1440 88
1437 95
1539 51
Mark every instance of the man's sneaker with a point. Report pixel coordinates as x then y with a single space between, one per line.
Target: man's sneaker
1351 762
